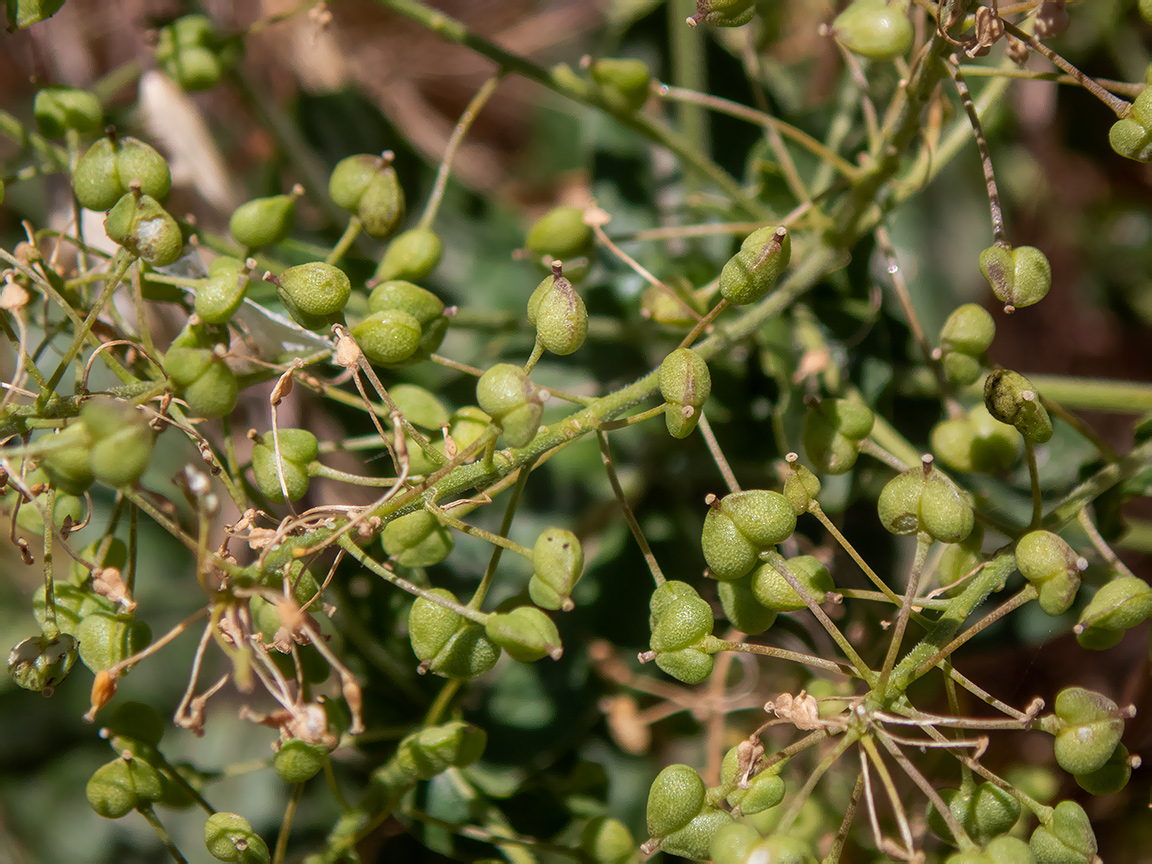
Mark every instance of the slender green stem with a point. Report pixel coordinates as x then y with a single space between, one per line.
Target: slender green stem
1034 482
873 755
446 518
718 454
1084 519
923 544
152 819
443 700
690 71
505 526
626 509
315 469
783 654
801 796
51 628
286 824
1125 88
1096 394
1026 594
346 240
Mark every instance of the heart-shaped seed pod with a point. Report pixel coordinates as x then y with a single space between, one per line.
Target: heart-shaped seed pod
559 314
526 633
729 553
675 798
965 337
833 430
416 539
1019 276
447 643
67 459
681 625
265 221
1087 726
423 305
431 625
1131 136
774 592
388 338
298 761
137 162
203 380
139 224
40 664
107 639
510 399
723 13
875 29
187 50
685 384
742 609
763 517
1011 398
298 448
1053 567
411 255
122 442
694 840
219 297
801 486
607 841
764 792
562 235
1120 605
95 179
1007 850
976 443
60 109
1067 838
350 178
752 272
367 186
557 564
419 406
985 812
623 83
736 844
316 291
434 749
925 500
117 787
229 837
1110 777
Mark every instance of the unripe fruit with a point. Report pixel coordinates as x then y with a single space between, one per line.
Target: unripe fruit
876 29
966 335
526 633
187 50
297 761
118 786
773 591
419 407
1066 839
1110 777
976 443
229 837
411 255
1018 276
122 442
105 172
765 791
316 288
960 560
559 314
681 624
388 338
298 448
204 380
446 642
510 399
742 609
434 749
985 813
801 486
368 186
1120 605
1131 136
741 525
1088 727
833 430
1053 567
560 234
139 224
723 13
59 109
68 461
557 564
685 384
416 539
107 639
675 798
752 272
623 83
659 305
1010 398
607 841
925 500
422 305
222 293
735 844
694 839
40 664
264 221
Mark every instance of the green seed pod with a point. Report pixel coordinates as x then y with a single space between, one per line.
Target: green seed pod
1053 567
417 540
764 518
765 791
381 207
388 338
694 839
95 179
607 841
1009 850
960 560
297 761
961 369
137 162
623 83
40 664
875 29
659 305
735 844
1120 605
742 609
412 255
752 272
985 813
729 553
204 380
923 499
526 633
681 624
139 224
316 289
1066 839
801 486
675 798
106 639
185 50
1010 398
1088 727
561 318
298 448
1131 137
511 400
424 306
229 837
350 179
446 643
435 749
1019 276
558 564
118 786
136 721
560 234
976 443
1110 777
832 431
431 625
121 441
723 13
222 293
265 222
774 592
419 407
59 109
970 329
68 462
685 384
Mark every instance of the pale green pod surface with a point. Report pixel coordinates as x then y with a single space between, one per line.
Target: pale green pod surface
381 206
388 338
263 221
899 502
742 609
695 838
624 82
58 109
773 591
526 633
316 288
412 255
350 178
729 553
675 798
431 625
764 517
1011 398
419 406
95 180
560 233
137 161
607 841
561 318
734 844
417 540
1067 839
229 837
970 330
752 272
876 29
1019 276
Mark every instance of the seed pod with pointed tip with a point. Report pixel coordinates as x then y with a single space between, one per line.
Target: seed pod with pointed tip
741 607
723 13
752 272
1018 276
1067 838
1110 777
561 234
1012 399
139 224
419 406
965 337
737 843
801 486
1053 567
960 560
388 338
675 798
219 297
119 786
1087 726
264 221
764 792
229 837
681 624
739 526
685 384
122 442
450 645
773 591
976 443
41 664
1120 605
559 314
298 448
526 633
986 812
694 839
95 179
833 430
1131 136
876 29
510 399
298 761
411 255
923 499
623 83
434 749
314 293
607 841
188 50
367 186
417 539
68 459
203 380
421 304
557 564
59 109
